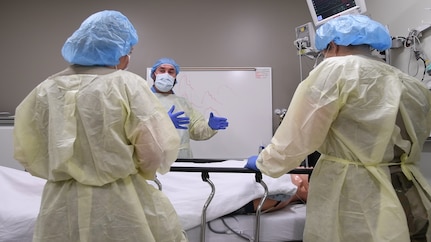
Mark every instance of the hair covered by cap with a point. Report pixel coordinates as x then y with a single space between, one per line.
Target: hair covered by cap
165 61
353 30
101 39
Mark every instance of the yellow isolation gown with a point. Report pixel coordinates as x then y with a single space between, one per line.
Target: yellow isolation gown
347 110
97 135
198 128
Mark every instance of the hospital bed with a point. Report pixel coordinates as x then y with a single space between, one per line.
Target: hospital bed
188 188
234 187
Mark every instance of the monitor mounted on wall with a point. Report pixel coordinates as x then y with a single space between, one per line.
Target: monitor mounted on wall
323 10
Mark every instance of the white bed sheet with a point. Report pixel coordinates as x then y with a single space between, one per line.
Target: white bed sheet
19 204
21 196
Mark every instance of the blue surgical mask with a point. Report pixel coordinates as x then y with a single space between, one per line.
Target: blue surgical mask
164 82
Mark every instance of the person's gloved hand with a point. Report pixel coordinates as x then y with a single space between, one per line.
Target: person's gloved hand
178 121
251 163
217 123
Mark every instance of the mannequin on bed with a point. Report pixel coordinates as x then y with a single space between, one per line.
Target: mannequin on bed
273 203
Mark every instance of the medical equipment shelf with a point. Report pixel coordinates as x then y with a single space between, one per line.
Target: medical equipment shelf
205 177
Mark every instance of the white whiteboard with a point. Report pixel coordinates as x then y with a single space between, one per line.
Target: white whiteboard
242 95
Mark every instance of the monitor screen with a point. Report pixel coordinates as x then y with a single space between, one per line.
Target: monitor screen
324 10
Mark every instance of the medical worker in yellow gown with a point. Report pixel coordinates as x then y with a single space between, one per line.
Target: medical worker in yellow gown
369 121
96 133
190 123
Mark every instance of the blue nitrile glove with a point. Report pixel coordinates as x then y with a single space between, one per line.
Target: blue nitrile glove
217 123
178 121
251 163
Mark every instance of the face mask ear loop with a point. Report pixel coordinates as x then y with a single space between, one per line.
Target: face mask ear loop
128 62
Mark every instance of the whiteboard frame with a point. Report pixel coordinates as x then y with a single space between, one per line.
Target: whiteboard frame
248 107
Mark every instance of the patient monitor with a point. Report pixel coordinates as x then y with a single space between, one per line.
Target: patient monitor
322 11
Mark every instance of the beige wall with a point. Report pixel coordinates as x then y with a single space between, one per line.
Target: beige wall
222 33
194 32
400 16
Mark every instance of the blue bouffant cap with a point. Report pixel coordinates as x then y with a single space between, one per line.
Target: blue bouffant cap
353 30
101 40
165 61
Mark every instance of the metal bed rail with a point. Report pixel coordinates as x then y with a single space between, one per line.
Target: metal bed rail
206 178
